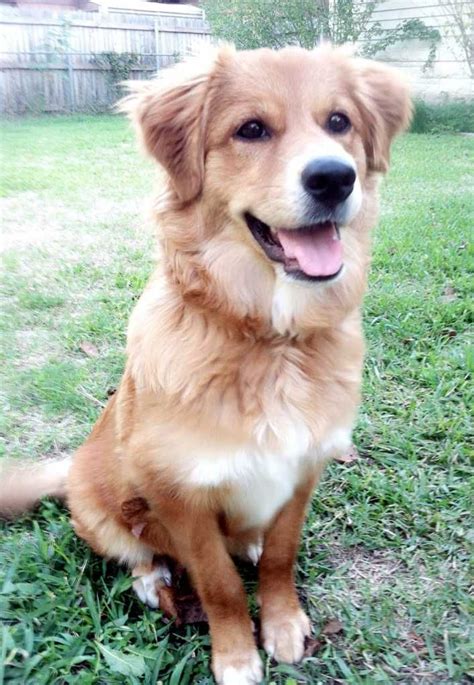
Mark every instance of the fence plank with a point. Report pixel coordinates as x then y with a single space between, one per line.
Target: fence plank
47 58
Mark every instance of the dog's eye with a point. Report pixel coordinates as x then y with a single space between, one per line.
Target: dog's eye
338 123
252 130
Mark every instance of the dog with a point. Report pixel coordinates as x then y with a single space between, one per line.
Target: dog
245 350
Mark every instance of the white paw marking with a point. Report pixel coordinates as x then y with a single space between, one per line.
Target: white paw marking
240 673
284 639
254 552
146 587
241 676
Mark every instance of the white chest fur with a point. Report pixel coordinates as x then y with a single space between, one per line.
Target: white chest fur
262 481
264 489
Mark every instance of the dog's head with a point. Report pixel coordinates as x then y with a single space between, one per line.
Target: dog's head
278 153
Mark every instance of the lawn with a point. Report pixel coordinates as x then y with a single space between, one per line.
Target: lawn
386 545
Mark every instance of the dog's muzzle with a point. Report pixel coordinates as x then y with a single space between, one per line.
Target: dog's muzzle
312 252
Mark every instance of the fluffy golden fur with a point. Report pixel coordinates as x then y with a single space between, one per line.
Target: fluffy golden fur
241 382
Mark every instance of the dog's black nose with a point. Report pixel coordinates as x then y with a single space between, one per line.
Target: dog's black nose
328 180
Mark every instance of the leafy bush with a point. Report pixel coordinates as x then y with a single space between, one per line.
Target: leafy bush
445 117
258 23
118 65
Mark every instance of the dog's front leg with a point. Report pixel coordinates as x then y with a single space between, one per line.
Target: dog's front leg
202 550
284 624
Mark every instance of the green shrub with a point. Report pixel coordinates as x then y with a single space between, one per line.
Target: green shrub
259 23
443 118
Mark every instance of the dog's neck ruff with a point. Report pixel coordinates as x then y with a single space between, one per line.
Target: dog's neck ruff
291 310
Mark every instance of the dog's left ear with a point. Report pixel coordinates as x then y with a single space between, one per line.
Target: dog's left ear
386 105
169 113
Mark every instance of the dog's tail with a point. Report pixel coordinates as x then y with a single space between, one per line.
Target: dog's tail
24 483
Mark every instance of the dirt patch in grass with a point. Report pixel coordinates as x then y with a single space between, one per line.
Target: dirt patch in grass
34 347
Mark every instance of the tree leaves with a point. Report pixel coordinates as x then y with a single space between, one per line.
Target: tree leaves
248 24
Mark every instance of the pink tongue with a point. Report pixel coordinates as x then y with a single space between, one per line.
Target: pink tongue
318 251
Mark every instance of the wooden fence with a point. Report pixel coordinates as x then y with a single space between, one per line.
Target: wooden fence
51 62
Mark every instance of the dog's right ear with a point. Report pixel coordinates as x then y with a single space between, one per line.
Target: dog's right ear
384 98
169 113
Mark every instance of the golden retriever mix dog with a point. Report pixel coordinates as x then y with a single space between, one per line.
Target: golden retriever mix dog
245 350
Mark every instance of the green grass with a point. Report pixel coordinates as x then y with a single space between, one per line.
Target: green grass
385 548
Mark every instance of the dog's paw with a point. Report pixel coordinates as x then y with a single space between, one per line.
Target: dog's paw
149 582
254 552
238 669
248 550
284 635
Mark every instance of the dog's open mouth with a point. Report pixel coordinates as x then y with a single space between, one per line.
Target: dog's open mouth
311 252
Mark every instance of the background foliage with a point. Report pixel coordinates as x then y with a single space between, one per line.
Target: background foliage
256 23
443 118
462 27
118 65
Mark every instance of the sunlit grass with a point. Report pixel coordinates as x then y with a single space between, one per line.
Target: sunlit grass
385 545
